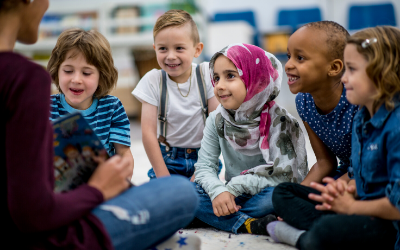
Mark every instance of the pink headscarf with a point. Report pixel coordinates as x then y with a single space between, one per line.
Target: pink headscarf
257 124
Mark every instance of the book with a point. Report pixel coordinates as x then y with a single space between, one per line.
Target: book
75 144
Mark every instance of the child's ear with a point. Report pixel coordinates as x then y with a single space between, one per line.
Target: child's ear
154 47
199 48
336 67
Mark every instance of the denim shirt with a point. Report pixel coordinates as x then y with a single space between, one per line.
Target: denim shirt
375 156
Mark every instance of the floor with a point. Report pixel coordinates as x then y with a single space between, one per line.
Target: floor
212 239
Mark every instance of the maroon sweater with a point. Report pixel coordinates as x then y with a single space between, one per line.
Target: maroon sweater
36 217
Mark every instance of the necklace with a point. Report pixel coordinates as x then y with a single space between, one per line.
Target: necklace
190 79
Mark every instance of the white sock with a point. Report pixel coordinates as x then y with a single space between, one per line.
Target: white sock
280 231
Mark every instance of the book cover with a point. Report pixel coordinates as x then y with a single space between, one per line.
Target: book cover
75 144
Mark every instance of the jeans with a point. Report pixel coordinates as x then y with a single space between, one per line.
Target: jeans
146 215
179 161
328 230
256 206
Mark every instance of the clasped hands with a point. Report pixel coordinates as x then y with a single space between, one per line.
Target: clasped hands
337 196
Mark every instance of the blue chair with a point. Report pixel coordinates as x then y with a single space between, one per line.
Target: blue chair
296 17
247 16
365 16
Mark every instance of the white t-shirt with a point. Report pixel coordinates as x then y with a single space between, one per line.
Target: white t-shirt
184 114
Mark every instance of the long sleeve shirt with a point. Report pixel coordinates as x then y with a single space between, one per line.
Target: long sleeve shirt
36 217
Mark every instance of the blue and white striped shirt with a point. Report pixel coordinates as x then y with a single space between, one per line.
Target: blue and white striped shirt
106 116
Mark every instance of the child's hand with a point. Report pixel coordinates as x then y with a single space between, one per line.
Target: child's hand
110 176
224 204
341 204
329 193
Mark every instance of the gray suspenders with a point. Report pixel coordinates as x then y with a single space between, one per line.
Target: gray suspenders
162 109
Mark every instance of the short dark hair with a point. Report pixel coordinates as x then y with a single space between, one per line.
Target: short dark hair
336 34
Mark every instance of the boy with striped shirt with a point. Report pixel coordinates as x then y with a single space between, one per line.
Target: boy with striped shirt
82 68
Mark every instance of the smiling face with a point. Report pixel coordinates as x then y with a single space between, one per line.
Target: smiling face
229 88
360 89
308 65
78 80
175 51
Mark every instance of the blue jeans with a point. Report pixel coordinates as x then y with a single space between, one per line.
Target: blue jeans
179 161
256 206
146 215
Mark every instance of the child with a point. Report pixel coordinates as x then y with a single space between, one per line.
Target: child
82 68
183 110
262 144
364 213
314 68
103 213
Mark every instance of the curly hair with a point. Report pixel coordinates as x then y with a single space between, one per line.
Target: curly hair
383 59
178 18
97 52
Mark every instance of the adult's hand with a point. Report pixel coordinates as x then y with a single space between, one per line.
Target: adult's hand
110 177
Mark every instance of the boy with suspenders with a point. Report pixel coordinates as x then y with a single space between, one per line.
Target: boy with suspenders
169 99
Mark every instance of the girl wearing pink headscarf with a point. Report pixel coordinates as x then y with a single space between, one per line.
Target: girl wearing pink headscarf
261 143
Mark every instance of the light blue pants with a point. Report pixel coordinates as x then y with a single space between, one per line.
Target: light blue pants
146 215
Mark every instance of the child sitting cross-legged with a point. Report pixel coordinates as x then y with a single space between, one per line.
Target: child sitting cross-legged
314 68
261 143
363 213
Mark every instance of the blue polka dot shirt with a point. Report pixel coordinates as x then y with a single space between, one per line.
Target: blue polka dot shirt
334 129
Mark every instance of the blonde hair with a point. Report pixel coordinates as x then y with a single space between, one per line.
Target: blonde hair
178 18
97 52
383 59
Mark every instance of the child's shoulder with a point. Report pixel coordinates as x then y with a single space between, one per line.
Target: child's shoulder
55 98
151 75
109 99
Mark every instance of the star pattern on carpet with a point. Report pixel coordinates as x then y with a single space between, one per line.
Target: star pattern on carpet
181 241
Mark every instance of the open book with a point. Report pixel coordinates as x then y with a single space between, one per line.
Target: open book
75 143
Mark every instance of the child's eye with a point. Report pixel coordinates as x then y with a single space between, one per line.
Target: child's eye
300 58
216 78
68 71
162 48
87 74
230 76
179 48
288 56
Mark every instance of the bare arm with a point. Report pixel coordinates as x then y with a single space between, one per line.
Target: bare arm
326 160
150 142
125 152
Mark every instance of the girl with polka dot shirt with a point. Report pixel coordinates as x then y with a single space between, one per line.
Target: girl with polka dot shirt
314 68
